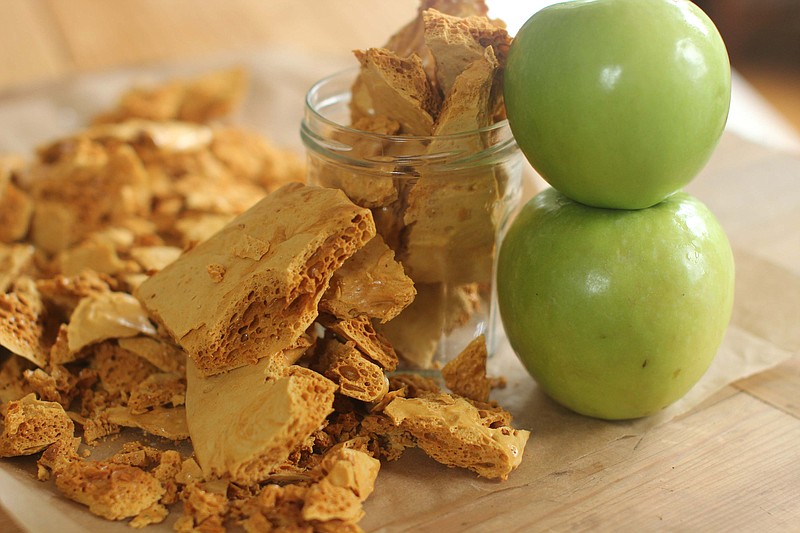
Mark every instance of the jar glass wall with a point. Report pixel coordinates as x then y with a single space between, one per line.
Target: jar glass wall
442 203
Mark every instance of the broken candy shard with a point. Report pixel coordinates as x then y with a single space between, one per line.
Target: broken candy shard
452 431
31 425
278 258
245 422
107 315
465 374
399 89
370 283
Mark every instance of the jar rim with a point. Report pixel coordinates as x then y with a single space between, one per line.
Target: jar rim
313 92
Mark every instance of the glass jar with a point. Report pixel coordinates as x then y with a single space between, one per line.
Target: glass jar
442 203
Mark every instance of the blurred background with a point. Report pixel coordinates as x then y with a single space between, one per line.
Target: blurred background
46 40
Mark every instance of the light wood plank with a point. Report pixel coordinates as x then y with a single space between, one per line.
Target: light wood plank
779 387
32 48
713 471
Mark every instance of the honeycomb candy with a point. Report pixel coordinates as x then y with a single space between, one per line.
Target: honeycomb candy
252 157
30 425
79 186
168 423
262 306
15 260
370 283
399 89
245 422
22 315
200 99
16 211
456 42
410 40
106 315
154 258
110 490
465 375
361 332
160 353
56 385
13 385
65 292
97 253
118 370
356 376
451 430
157 390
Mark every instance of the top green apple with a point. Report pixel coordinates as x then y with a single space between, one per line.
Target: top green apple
618 103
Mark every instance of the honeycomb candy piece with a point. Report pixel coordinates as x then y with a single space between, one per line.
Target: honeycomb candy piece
65 292
332 502
253 157
97 253
13 386
200 99
169 423
390 440
415 385
16 211
356 376
451 430
32 425
263 305
154 258
455 42
160 353
465 374
80 186
119 370
157 390
451 217
110 490
203 509
155 514
245 422
350 468
325 501
97 428
410 40
361 332
398 88
370 283
57 456
22 315
58 384
106 315
15 260
164 136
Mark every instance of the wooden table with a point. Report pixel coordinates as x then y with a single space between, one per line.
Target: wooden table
732 463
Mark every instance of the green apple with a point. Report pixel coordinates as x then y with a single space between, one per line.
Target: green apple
615 313
618 103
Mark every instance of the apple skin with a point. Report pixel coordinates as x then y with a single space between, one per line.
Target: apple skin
615 313
618 103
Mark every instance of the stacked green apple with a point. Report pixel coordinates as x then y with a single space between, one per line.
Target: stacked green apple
615 287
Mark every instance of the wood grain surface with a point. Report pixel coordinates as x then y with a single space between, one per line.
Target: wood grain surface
732 464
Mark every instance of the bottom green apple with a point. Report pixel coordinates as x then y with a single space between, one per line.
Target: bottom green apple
615 313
